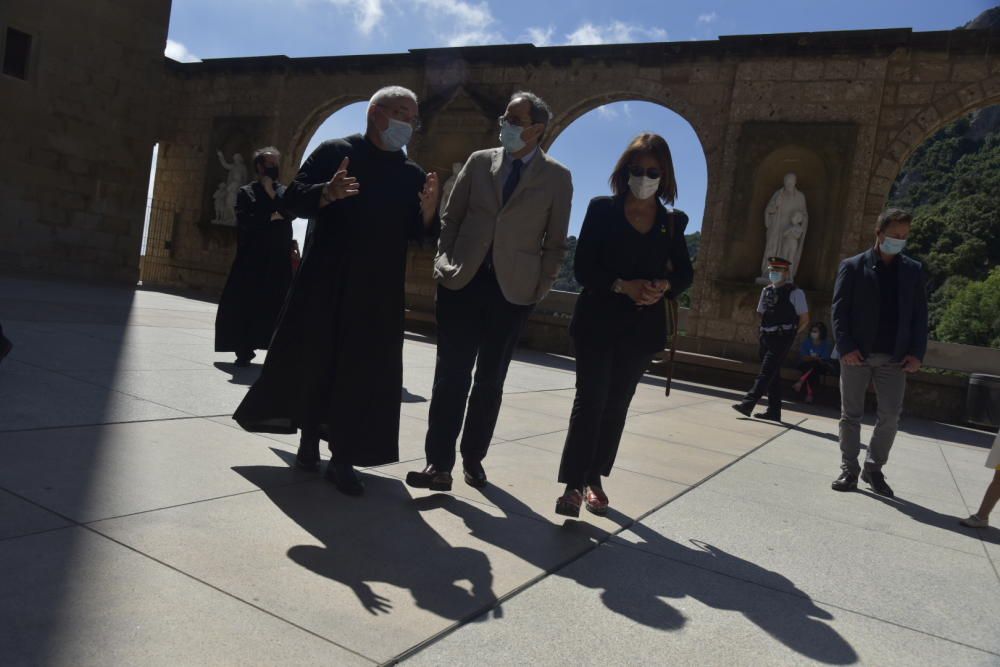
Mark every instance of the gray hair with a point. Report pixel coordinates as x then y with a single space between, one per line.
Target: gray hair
392 93
260 153
540 111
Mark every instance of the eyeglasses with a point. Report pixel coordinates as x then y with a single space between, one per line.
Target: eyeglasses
513 121
399 113
636 170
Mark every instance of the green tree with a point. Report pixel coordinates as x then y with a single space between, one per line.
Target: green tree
972 316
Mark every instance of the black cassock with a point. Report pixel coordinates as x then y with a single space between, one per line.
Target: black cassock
261 274
336 360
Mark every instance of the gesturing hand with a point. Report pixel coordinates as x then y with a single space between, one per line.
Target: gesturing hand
341 186
429 197
911 364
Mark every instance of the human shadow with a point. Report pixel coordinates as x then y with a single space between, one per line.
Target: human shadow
381 538
927 516
244 375
818 434
635 587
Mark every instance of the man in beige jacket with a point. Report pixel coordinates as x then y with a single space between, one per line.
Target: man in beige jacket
503 238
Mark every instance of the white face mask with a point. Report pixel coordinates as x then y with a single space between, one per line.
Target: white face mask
510 138
397 135
815 336
643 187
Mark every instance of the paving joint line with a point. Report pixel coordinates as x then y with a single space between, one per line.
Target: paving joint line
800 595
114 423
433 639
965 502
90 528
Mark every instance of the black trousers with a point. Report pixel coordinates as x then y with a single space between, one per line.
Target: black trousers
476 326
606 377
774 349
309 438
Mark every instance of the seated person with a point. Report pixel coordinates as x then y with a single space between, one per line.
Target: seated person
814 361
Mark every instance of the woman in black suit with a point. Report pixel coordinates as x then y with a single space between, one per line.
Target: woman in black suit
630 256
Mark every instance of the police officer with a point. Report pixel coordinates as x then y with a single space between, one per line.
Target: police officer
784 313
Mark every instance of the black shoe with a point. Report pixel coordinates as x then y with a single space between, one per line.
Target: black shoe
743 409
345 479
770 416
307 457
848 481
475 476
876 480
429 478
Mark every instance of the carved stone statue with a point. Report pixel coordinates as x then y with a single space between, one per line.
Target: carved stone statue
219 198
235 179
449 185
786 221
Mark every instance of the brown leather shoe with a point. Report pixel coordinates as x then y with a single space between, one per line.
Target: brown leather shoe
429 478
569 504
596 500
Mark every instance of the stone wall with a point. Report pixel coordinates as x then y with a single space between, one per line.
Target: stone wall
78 135
844 109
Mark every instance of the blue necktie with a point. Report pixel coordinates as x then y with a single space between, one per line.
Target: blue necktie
511 184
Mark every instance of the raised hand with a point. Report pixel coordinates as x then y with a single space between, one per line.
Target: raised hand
341 186
430 196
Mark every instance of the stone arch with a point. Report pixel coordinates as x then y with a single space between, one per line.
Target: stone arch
920 127
305 130
581 107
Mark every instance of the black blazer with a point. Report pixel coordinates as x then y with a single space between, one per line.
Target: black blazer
610 248
856 306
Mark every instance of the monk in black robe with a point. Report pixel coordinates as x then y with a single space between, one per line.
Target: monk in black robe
335 367
262 270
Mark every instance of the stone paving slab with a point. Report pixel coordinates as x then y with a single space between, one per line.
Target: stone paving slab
917 585
523 482
622 606
96 472
377 575
205 547
80 599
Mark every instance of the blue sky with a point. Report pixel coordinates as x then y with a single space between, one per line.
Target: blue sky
201 29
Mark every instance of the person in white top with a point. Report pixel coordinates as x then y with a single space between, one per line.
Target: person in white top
981 519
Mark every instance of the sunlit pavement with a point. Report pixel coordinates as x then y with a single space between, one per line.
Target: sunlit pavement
140 525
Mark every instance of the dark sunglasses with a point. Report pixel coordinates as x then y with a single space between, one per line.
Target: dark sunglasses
636 170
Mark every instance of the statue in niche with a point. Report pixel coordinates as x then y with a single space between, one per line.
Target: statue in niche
786 221
219 198
449 185
235 179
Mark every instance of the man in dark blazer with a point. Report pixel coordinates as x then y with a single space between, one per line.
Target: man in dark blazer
880 327
503 239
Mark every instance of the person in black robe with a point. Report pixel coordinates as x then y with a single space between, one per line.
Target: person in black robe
335 367
262 271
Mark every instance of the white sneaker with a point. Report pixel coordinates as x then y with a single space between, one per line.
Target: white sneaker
975 522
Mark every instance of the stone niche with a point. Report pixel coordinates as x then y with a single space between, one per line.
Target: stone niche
230 134
820 154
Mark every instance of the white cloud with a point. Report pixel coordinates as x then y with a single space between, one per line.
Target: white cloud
179 52
367 13
539 36
606 112
616 32
708 18
627 110
464 23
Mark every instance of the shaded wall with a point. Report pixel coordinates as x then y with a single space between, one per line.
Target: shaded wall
78 136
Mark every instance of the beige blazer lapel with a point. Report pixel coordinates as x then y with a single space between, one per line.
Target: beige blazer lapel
495 173
534 167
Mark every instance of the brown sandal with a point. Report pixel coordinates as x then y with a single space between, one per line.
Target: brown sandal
569 504
597 501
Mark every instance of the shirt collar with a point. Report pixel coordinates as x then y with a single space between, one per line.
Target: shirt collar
508 159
